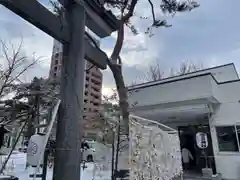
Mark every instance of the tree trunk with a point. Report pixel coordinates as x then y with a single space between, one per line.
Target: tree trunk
113 155
30 126
122 93
13 147
117 149
30 130
9 142
38 111
45 164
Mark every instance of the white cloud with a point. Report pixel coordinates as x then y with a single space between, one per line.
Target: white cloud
36 43
107 91
141 58
201 35
137 49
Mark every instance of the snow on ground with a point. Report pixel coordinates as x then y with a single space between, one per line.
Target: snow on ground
17 162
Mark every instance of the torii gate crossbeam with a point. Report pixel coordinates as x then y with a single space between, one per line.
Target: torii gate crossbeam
35 13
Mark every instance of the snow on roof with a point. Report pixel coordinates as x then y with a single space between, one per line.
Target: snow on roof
223 73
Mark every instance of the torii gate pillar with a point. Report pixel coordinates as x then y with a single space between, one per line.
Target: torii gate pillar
100 21
69 129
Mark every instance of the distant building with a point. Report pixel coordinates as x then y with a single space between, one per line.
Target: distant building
93 83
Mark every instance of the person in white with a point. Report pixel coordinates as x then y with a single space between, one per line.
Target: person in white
186 156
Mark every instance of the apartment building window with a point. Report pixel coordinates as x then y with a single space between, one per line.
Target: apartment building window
95 104
56 55
96 89
85 100
55 75
96 82
55 68
56 62
95 97
228 138
96 75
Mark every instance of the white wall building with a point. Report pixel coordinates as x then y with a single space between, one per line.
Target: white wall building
206 100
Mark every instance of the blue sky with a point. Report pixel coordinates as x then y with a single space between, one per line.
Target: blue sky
209 34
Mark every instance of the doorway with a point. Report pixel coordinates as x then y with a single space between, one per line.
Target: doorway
201 158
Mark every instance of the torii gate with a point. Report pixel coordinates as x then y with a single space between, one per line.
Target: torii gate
78 14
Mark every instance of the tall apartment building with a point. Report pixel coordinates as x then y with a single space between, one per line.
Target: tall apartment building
93 84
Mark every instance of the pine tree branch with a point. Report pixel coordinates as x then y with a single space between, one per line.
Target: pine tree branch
153 12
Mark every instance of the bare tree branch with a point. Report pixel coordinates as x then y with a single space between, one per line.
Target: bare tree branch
15 65
154 73
129 14
188 67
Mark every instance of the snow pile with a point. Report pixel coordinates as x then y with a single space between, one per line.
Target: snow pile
17 162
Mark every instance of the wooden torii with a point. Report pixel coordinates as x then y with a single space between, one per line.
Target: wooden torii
78 13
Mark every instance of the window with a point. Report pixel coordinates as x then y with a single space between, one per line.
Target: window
96 97
56 62
95 104
227 138
96 75
95 82
96 89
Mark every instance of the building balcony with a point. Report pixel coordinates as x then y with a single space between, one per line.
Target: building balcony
96 87
97 81
95 93
96 101
97 74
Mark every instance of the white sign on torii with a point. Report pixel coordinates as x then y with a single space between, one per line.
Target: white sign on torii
75 48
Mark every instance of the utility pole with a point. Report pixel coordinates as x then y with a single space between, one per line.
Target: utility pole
69 129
